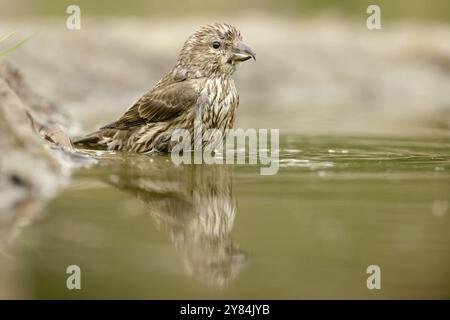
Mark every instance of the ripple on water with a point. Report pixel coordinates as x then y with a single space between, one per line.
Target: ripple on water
303 163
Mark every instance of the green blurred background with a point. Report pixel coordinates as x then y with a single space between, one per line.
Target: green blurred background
435 10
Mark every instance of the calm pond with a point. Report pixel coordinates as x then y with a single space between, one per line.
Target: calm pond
141 227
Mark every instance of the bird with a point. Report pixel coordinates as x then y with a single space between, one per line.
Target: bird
198 88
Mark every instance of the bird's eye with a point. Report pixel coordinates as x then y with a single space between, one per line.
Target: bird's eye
216 44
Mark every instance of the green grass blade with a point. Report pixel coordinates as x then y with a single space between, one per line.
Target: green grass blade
14 47
6 37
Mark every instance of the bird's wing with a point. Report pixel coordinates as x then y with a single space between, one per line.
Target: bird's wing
165 103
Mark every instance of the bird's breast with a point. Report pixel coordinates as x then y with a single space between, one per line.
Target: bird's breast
219 102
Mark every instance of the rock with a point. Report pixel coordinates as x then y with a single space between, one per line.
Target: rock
45 117
28 170
37 154
41 110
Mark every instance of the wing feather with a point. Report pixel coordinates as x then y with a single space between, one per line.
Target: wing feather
158 105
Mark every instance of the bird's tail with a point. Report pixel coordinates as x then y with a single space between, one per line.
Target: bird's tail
104 139
90 141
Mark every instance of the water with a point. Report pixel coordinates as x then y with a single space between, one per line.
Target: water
140 227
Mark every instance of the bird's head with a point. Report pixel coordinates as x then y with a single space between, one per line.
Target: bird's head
214 50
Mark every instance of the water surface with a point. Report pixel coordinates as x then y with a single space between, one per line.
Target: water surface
140 227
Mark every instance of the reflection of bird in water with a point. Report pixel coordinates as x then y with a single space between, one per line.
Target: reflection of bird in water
195 205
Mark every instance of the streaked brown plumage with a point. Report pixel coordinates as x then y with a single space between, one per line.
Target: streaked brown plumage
198 87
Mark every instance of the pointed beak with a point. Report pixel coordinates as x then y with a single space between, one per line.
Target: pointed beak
242 52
